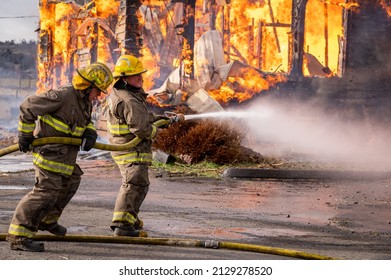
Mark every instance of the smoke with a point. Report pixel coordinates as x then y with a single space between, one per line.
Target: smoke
10 100
310 132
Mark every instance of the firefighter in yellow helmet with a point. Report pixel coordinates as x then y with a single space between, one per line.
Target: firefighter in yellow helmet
128 117
64 112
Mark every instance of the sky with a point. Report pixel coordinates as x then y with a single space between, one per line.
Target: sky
15 21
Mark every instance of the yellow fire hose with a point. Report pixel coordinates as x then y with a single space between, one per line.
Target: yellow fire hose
144 240
177 242
77 142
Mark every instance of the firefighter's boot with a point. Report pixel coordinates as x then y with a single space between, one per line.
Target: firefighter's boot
138 224
53 228
129 231
25 244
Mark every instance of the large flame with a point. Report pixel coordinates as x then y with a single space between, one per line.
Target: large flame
63 33
323 30
55 25
256 33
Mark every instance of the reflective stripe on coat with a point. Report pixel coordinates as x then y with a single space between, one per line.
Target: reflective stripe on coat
127 118
65 112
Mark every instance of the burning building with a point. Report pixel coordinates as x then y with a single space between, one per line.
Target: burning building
213 53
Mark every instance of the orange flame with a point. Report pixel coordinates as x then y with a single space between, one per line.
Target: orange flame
386 6
251 83
149 63
59 23
187 57
55 21
257 33
348 6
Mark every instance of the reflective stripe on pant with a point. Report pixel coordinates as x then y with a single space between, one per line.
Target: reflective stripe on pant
134 188
45 202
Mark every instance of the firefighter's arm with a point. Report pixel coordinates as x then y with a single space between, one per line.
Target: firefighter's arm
37 105
138 122
32 107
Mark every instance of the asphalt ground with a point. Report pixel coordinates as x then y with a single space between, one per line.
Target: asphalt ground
335 218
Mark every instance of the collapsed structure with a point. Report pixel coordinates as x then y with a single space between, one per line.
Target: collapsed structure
212 53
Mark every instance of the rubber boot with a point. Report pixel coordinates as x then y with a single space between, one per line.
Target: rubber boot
54 228
25 244
138 224
129 231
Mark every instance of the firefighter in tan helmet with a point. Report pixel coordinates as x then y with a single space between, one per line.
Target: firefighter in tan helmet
64 112
128 117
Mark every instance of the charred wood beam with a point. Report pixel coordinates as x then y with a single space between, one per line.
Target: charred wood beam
168 7
213 14
189 30
45 55
274 28
188 27
277 24
290 49
238 54
129 29
298 25
342 44
227 30
260 51
260 32
94 43
251 40
326 35
171 47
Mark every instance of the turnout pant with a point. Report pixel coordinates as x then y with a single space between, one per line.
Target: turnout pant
134 189
45 203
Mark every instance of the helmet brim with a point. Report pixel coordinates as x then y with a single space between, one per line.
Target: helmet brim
104 91
117 75
92 83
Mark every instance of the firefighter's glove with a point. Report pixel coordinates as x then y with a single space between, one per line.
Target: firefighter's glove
89 139
166 119
25 141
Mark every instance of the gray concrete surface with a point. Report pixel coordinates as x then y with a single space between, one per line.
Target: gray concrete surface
344 219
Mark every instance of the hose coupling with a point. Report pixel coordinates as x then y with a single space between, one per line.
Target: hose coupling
214 244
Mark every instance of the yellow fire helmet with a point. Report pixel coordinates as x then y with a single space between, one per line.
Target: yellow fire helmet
96 74
127 65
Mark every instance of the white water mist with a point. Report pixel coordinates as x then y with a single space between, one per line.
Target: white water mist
226 114
306 130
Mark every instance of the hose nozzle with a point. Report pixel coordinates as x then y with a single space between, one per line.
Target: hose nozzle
175 117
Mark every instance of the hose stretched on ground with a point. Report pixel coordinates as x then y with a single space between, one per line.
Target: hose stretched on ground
77 142
177 242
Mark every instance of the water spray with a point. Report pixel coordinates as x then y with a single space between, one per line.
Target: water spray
223 114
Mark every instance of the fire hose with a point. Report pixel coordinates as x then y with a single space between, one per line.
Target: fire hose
178 242
101 146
